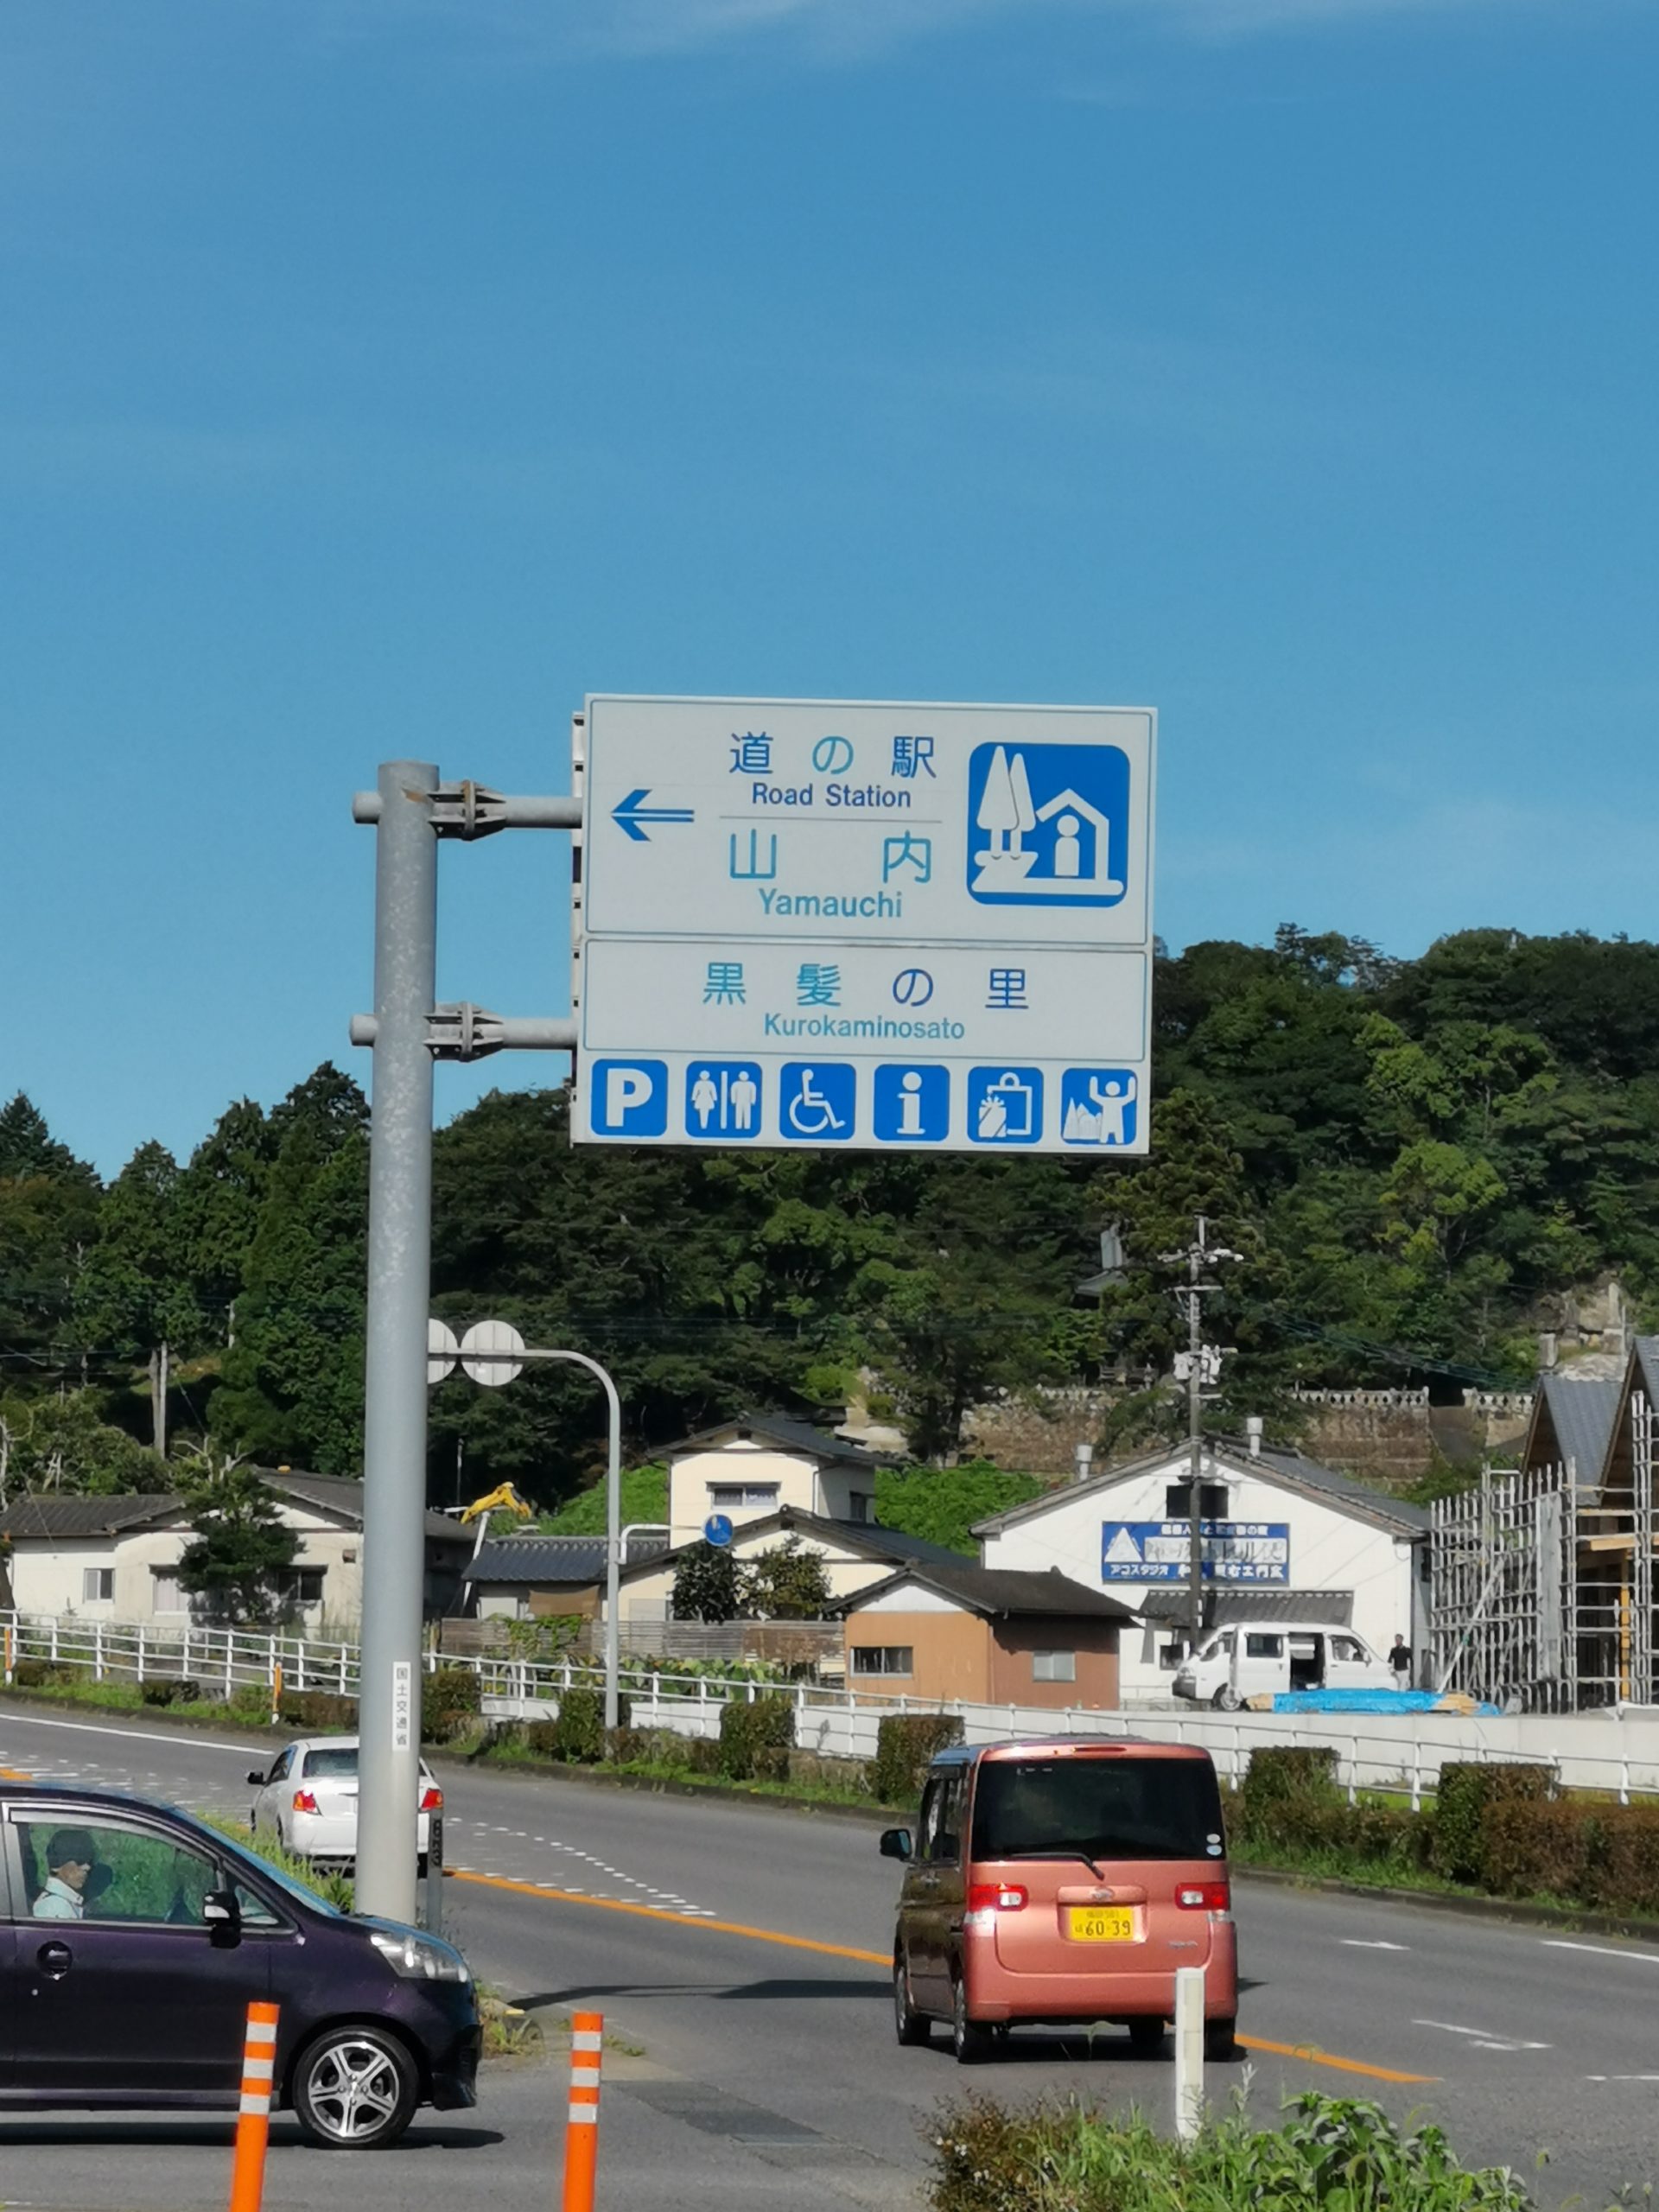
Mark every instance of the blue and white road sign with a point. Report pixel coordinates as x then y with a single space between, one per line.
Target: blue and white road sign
791 907
1099 1108
628 1098
912 1105
1048 825
818 1102
717 1530
723 1099
1004 1105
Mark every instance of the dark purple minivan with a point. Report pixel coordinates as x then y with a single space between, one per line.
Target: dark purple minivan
132 1939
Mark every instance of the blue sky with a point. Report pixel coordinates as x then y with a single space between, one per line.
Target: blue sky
378 376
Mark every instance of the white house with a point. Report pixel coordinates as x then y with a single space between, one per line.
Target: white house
855 1555
116 1558
1284 1538
754 1466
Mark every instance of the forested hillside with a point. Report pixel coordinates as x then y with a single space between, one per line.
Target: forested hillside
1413 1157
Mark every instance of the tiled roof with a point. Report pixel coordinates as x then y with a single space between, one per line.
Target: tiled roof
999 1591
343 1495
49 1518
792 1435
1222 1606
1582 1415
546 1559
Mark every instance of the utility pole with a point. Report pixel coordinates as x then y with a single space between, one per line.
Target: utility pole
1197 1255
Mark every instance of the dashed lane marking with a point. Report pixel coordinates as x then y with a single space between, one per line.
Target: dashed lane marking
1303 2051
1604 1951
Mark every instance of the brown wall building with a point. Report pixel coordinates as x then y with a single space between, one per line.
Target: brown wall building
985 1636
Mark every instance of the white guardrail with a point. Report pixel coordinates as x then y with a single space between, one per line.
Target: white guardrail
1614 1751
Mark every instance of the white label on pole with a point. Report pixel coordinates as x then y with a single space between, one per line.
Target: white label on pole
882 927
497 1337
402 1705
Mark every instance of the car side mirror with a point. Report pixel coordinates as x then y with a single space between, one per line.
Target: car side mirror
896 1843
223 1917
256 1774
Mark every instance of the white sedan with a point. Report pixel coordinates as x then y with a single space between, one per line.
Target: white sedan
309 1797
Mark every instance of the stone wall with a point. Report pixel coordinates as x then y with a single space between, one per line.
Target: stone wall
1391 1437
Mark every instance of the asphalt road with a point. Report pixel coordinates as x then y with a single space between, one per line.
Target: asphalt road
739 1953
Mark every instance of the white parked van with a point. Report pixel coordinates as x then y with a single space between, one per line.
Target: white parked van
1241 1661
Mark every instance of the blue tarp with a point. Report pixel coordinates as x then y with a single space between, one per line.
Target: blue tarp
1367 1701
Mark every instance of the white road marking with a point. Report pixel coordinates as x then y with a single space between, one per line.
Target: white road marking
1483 2038
1603 1951
1359 1943
132 1735
1622 2077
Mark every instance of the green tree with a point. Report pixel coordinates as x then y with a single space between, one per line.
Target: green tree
63 1444
786 1583
132 1298
707 1586
219 1200
942 1505
48 1215
293 1387
240 1545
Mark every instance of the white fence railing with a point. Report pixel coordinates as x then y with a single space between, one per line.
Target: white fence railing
1614 1752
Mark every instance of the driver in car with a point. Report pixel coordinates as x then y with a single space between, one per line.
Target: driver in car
70 1859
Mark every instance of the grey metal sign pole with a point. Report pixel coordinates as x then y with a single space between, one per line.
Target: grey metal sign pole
410 810
394 1413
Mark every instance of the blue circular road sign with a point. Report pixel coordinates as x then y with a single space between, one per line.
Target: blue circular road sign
717 1529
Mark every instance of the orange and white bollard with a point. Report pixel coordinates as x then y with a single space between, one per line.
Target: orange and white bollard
581 2133
253 2112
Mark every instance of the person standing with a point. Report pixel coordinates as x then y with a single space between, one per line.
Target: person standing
1399 1660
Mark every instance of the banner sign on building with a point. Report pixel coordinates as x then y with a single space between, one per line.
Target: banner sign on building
1160 1551
868 927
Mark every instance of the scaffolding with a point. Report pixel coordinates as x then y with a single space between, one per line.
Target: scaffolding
1504 1602
1543 1590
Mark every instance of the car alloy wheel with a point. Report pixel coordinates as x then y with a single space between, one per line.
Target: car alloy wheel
355 2089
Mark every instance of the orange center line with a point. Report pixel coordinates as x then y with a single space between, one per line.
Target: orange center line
1304 2051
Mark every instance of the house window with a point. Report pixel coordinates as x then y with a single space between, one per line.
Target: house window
96 1585
858 1505
881 1659
1053 1666
302 1585
169 1591
742 1493
1212 1502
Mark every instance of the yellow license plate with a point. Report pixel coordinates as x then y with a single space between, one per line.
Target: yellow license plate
1098 1923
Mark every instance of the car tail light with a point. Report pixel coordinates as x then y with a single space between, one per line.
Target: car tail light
1204 1896
304 1801
997 1897
432 1798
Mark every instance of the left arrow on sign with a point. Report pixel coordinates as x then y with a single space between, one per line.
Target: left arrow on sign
632 814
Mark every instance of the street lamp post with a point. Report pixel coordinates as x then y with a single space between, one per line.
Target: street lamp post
493 1345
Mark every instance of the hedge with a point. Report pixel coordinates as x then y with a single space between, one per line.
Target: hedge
1465 1797
905 1743
756 1736
317 1713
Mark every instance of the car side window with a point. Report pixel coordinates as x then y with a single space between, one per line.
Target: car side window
279 1772
1258 1645
928 1826
949 1841
1344 1647
107 1871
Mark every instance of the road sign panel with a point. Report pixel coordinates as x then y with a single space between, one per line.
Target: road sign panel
855 891
717 1530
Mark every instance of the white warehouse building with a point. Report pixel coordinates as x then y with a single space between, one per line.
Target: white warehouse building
1284 1540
